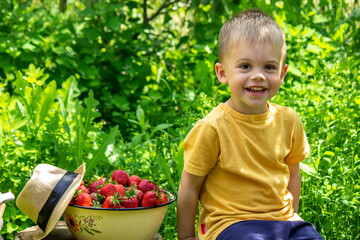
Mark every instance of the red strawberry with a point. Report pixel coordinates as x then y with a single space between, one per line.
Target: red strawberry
139 195
108 190
112 202
133 179
162 198
120 176
73 201
97 197
94 185
83 188
83 199
150 199
120 189
131 202
146 185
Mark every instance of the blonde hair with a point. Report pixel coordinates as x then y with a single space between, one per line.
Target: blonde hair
251 26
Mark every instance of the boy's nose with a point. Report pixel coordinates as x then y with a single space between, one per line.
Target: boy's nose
258 75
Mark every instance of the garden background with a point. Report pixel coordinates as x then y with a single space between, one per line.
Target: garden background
119 83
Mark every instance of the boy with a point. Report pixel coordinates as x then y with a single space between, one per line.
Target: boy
242 159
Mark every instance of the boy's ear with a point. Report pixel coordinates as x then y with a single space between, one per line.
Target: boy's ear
283 72
220 73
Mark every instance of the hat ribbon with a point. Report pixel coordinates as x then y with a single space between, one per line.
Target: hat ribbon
56 194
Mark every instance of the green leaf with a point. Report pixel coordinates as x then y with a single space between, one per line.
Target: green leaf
21 108
95 231
89 113
133 121
65 61
47 99
163 126
318 18
160 127
313 48
136 140
357 100
140 115
293 70
179 158
29 46
166 170
100 152
113 23
86 230
329 153
18 123
69 92
310 170
59 50
64 114
1 134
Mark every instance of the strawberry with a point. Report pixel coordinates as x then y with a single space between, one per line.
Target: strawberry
120 189
97 197
73 201
130 200
139 195
112 201
94 185
83 188
93 196
108 190
162 198
150 199
120 176
83 199
146 185
133 180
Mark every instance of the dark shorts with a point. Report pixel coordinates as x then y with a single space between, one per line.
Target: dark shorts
270 230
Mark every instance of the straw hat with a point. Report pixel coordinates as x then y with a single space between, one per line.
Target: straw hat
47 194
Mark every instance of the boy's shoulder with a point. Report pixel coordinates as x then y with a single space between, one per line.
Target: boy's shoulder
215 114
283 111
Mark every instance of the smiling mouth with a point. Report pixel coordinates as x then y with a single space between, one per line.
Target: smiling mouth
256 89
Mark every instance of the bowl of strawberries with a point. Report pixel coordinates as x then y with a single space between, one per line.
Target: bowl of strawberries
118 207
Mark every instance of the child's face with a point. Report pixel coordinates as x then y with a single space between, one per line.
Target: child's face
254 73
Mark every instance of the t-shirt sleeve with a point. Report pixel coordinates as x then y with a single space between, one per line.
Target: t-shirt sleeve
300 148
201 149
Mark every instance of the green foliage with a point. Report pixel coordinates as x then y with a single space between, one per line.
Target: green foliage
117 85
34 122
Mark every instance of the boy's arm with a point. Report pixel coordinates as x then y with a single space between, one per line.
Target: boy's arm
187 205
295 184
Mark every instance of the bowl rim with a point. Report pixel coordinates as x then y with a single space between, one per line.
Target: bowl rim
173 198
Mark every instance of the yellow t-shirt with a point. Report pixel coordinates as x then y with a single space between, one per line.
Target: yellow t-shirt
244 158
